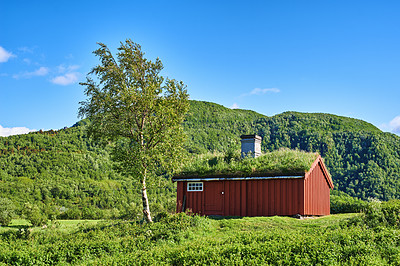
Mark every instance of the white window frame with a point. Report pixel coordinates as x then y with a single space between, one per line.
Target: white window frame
195 186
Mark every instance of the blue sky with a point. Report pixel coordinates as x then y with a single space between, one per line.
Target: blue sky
338 57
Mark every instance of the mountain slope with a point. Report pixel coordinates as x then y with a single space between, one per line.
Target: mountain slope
363 161
211 126
64 168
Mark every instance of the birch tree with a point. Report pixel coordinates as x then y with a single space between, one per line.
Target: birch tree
136 110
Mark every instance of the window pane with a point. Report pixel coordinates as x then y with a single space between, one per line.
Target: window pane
195 186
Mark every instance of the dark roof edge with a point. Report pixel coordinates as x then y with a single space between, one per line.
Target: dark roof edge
194 179
241 174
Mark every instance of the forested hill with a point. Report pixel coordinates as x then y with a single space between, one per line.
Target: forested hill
213 127
66 169
363 161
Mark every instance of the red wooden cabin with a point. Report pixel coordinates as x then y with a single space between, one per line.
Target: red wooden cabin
304 194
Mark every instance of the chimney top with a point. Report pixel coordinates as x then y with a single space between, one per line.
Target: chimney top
251 144
254 136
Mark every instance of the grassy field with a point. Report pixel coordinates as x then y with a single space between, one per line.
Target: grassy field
186 240
59 225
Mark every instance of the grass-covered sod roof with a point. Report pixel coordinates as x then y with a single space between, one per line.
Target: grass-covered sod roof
276 163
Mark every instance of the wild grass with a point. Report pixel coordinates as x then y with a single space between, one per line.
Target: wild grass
194 240
279 162
59 225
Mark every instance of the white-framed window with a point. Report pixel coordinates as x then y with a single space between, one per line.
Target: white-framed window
195 186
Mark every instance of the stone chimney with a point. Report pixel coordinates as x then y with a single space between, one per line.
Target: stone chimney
251 144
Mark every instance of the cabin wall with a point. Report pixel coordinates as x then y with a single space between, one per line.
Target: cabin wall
179 196
274 197
245 198
317 193
189 200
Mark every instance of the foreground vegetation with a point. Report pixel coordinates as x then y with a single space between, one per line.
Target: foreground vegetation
194 240
371 236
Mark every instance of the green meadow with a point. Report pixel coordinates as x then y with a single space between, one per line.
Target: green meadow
182 239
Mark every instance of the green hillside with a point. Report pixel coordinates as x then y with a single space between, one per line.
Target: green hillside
363 161
65 169
212 127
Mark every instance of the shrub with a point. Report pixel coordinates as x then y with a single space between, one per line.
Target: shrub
51 212
373 214
377 213
132 211
70 213
34 214
343 203
91 212
7 211
391 212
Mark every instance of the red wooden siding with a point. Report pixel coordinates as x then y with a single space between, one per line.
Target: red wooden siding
317 191
179 195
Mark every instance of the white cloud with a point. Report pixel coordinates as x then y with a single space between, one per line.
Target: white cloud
258 91
8 131
42 71
234 106
395 125
4 55
26 49
66 74
66 79
63 68
73 67
69 76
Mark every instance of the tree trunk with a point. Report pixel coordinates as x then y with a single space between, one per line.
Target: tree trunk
145 200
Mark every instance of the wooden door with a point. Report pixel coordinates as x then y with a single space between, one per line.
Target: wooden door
214 198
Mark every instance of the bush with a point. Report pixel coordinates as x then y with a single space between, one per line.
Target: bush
34 214
70 214
132 211
91 212
382 213
7 211
391 212
379 214
51 212
373 215
343 203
